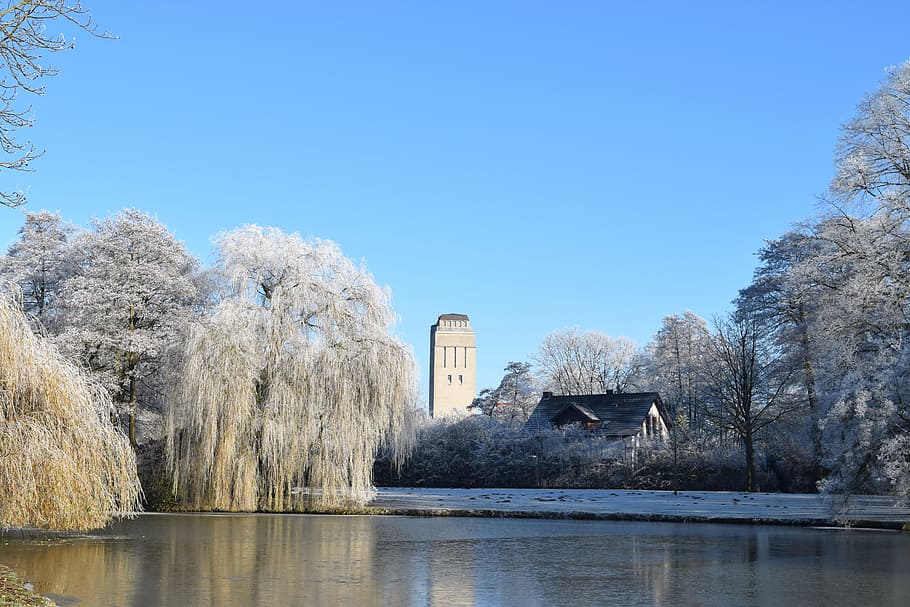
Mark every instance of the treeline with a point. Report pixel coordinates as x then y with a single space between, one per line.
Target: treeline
814 359
483 452
267 382
809 372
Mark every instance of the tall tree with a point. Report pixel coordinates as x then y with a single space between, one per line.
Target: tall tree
861 268
747 386
127 305
23 46
865 309
293 382
786 301
38 263
588 363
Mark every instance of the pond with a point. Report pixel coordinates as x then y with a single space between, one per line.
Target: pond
169 560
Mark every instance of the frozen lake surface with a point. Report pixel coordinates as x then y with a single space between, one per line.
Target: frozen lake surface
240 560
720 506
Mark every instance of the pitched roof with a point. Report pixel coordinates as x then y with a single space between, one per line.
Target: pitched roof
585 411
621 414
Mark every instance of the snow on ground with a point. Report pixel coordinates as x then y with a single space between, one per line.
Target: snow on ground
786 508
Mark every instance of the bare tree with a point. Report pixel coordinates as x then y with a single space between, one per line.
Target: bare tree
24 42
588 363
748 381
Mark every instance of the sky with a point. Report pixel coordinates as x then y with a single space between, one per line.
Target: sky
534 165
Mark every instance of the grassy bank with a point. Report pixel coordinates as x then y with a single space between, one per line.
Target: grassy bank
15 593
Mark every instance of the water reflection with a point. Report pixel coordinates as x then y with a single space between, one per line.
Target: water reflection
247 560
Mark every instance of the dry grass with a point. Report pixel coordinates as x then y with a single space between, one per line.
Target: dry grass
63 465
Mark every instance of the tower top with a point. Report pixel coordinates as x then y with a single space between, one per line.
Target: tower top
452 322
453 317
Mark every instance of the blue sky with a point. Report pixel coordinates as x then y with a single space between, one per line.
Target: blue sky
535 165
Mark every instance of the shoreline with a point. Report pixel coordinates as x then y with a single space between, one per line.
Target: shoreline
793 509
15 591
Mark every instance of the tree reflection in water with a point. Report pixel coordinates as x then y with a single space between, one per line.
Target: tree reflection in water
253 560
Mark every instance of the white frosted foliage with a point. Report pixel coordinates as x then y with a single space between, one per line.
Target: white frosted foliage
571 362
292 383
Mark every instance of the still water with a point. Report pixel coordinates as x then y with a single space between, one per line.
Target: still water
247 560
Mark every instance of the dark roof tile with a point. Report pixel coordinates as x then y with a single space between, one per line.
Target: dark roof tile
621 414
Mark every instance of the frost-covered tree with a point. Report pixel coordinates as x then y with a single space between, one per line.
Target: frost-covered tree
570 362
514 398
127 304
873 154
63 464
39 262
23 48
677 358
293 382
860 267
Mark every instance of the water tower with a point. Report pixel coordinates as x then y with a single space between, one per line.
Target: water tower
453 366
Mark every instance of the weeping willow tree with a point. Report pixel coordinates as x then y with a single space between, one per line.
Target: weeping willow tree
293 382
63 465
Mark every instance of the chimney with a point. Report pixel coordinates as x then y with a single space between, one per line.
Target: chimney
547 395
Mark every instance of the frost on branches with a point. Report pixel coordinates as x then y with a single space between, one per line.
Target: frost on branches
862 269
571 362
38 262
293 382
126 305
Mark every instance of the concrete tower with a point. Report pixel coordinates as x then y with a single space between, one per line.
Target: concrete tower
453 367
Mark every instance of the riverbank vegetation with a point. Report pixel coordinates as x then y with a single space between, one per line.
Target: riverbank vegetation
15 593
63 464
480 452
267 382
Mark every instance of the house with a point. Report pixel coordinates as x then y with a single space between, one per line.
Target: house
628 417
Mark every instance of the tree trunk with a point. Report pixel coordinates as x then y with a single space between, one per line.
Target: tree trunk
812 397
133 407
750 461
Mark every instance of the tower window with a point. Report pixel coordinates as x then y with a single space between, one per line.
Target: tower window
460 379
450 379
